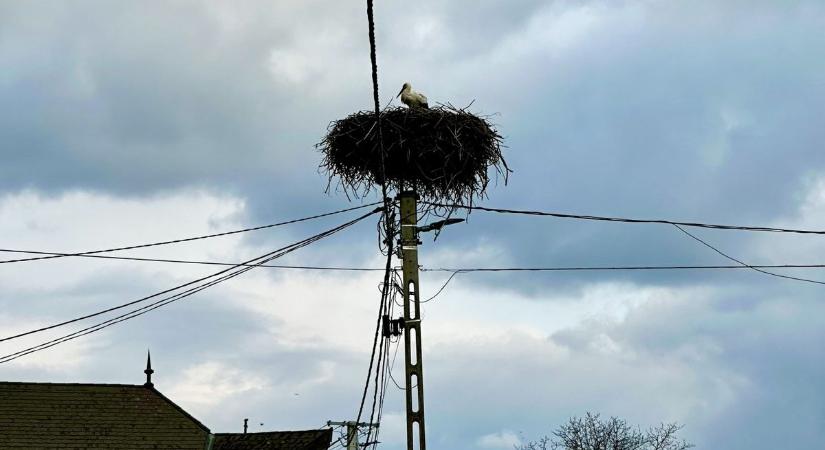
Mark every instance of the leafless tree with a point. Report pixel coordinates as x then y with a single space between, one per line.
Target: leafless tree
592 433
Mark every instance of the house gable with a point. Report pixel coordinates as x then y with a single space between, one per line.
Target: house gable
110 416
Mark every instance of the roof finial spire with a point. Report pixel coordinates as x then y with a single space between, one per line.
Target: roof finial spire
148 370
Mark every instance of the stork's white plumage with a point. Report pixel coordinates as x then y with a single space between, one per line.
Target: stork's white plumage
411 98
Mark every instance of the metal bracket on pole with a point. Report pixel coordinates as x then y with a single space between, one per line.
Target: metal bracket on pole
391 327
352 431
412 322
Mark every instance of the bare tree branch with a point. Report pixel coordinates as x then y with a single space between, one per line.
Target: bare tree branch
593 433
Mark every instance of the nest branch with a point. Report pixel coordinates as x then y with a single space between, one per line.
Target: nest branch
444 153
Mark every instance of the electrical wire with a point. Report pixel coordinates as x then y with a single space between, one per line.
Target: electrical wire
196 262
758 268
387 221
398 290
627 220
385 286
142 310
379 368
387 216
620 268
442 286
223 275
113 321
440 269
384 382
387 368
248 264
773 274
176 241
392 364
384 296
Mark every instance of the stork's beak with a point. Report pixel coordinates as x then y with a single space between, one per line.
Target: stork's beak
400 92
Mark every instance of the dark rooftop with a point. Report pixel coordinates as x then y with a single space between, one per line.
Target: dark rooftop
278 440
111 416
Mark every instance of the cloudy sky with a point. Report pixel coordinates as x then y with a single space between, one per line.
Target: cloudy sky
130 122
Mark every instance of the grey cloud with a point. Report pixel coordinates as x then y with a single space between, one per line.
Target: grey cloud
736 379
142 98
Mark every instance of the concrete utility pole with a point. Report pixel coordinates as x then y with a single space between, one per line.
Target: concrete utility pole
352 436
352 431
412 322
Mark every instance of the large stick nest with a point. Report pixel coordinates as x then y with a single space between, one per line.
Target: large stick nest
443 153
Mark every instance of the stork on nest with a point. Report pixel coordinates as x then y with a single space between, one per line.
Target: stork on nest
443 153
411 98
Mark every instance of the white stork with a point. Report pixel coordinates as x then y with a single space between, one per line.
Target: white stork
411 98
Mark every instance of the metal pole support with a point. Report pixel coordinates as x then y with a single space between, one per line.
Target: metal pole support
412 323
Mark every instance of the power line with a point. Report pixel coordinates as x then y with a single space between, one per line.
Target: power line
627 220
559 269
384 379
620 268
113 321
392 364
176 241
175 297
442 286
384 295
196 262
773 274
224 275
425 269
144 309
388 223
758 268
